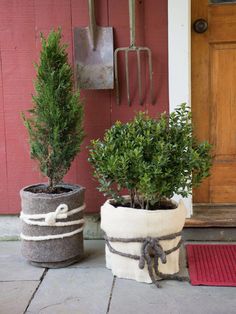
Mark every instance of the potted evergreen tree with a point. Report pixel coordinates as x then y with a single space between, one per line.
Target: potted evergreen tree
52 213
152 160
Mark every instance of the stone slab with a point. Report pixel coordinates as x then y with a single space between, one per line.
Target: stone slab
73 290
10 230
95 257
13 266
209 234
94 251
15 296
183 270
92 229
174 297
10 227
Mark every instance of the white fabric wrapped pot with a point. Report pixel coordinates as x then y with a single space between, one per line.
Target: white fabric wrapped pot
130 224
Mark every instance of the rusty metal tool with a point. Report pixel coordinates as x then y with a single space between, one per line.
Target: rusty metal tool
138 50
94 54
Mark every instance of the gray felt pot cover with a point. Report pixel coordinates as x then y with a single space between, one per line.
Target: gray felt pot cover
56 250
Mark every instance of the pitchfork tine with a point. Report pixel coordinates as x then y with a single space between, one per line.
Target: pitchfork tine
139 78
150 75
127 76
116 78
133 48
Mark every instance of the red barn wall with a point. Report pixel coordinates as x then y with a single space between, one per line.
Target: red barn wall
21 22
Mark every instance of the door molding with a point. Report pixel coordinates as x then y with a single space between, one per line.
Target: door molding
179 60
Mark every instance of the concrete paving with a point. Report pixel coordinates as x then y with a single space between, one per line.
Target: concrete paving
13 266
89 288
15 296
74 290
173 298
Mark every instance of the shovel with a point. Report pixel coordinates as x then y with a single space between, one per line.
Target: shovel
94 54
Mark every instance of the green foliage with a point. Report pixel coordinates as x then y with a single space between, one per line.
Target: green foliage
55 122
151 158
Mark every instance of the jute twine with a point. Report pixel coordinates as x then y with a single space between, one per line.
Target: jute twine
151 253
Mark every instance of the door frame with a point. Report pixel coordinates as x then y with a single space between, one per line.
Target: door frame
179 61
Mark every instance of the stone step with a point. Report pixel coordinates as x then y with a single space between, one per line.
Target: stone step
209 234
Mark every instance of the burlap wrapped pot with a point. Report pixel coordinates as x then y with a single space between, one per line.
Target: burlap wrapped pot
52 226
129 223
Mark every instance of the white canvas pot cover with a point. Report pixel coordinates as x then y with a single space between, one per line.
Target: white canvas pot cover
126 222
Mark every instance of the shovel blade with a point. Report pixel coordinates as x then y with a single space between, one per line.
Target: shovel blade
94 66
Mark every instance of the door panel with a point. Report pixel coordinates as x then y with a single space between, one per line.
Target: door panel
222 22
214 97
223 100
223 183
221 1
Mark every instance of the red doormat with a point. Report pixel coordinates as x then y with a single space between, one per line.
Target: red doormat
212 265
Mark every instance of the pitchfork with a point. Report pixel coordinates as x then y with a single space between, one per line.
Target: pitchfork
133 48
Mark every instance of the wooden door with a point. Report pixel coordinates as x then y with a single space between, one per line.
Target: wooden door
214 96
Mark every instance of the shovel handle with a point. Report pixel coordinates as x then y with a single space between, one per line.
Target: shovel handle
132 22
92 23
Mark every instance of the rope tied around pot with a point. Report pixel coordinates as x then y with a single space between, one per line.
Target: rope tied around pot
151 251
50 220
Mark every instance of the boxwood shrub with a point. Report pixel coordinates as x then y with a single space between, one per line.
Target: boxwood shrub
151 158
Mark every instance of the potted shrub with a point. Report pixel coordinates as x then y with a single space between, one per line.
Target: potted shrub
152 160
52 213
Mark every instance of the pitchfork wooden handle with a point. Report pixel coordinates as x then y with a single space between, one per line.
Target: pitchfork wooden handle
132 22
92 23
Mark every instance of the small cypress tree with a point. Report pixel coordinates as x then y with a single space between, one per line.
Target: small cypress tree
55 121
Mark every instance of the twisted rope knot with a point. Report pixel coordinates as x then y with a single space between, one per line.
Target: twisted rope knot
151 252
151 247
61 212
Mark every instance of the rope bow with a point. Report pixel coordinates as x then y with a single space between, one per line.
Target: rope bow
61 212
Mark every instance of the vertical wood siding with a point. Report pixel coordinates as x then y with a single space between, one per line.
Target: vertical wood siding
21 22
